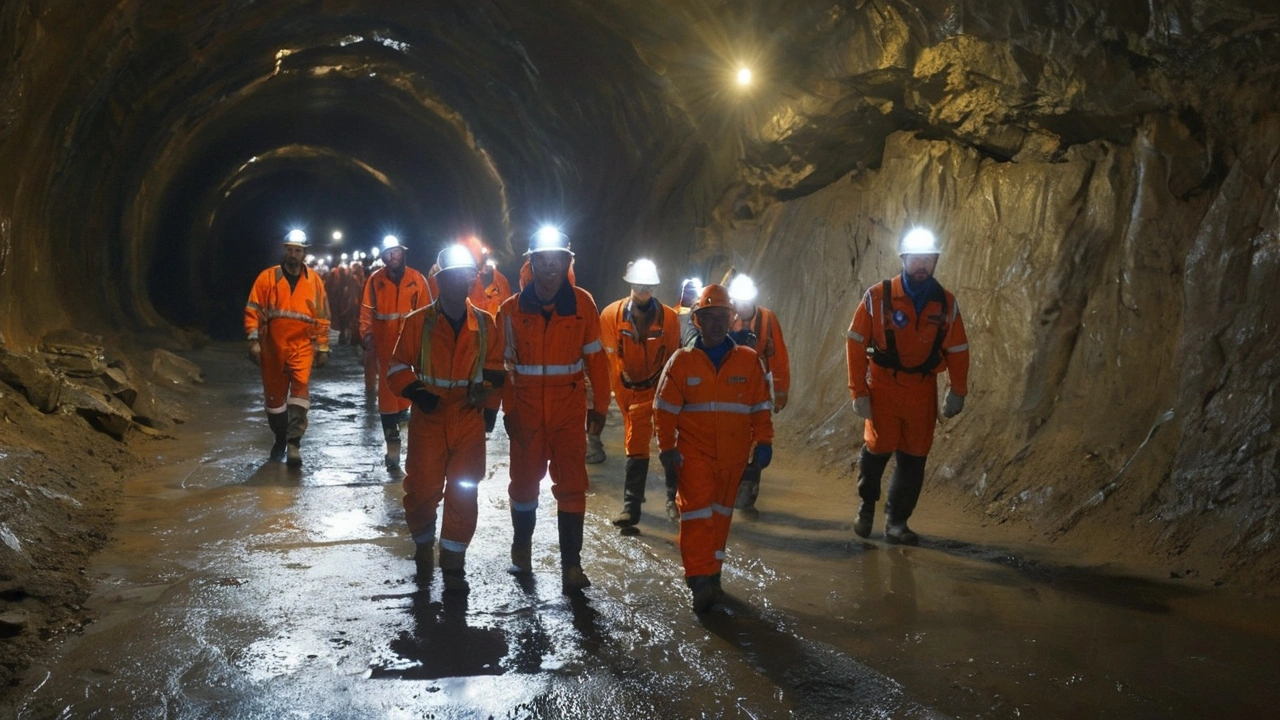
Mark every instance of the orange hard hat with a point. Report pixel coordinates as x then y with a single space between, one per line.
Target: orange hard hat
713 295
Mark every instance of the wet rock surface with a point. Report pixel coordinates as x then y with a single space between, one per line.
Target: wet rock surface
237 587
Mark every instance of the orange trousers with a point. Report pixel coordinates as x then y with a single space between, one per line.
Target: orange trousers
637 419
445 461
705 497
554 439
902 418
286 373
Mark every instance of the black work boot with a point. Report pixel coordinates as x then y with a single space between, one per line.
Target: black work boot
704 592
904 492
453 569
633 492
391 434
870 471
297 428
522 524
279 424
570 526
748 490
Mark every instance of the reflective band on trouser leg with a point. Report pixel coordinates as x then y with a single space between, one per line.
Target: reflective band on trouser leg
463 471
705 498
424 473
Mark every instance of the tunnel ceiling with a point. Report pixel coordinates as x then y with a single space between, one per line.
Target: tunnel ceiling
154 137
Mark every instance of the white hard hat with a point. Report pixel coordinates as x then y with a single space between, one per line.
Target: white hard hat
642 272
742 289
918 241
296 238
548 239
391 241
454 257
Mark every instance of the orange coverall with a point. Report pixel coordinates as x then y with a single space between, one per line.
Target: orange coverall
635 363
713 418
493 294
904 405
770 347
547 350
386 304
446 446
289 323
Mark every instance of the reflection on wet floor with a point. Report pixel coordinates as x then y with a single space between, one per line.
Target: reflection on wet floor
240 588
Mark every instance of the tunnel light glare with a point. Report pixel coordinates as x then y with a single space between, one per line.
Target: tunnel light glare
468 485
296 236
742 289
744 76
337 236
373 252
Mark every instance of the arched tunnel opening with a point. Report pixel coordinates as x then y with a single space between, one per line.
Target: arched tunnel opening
1100 176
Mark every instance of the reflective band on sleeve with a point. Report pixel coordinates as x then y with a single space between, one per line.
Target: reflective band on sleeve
392 316
664 405
592 347
766 405
724 407
856 337
699 514
548 370
253 335
957 348
253 306
955 309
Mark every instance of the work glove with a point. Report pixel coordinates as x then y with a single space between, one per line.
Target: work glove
862 407
671 461
490 419
421 397
322 358
367 341
595 422
953 405
779 401
255 352
763 456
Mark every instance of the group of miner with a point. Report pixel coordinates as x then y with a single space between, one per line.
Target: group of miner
449 349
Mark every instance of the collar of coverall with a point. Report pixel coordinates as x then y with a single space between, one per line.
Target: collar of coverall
566 301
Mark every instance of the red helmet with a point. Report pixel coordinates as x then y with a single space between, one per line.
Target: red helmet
713 296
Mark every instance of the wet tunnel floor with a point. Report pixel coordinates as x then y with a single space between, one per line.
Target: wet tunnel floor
240 588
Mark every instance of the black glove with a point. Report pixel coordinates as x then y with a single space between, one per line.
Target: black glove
423 398
671 461
490 419
595 422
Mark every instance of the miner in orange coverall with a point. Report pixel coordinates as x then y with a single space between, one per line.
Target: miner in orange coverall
552 345
911 330
287 322
448 362
758 328
391 293
713 415
639 335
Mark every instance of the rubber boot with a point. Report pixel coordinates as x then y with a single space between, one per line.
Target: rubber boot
633 492
673 512
522 525
424 559
297 428
870 471
391 433
595 450
570 526
453 569
704 592
748 490
904 492
279 424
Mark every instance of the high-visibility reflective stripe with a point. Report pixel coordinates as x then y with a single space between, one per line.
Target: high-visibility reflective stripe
724 407
664 405
253 335
548 370
524 506
452 545
699 514
290 314
424 539
592 347
720 555
252 306
766 405
722 509
300 402
277 410
856 337
440 383
509 354
958 348
955 309
398 367
392 316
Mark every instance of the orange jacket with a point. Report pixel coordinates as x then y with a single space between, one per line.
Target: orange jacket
713 415
386 304
490 297
551 346
459 368
285 316
769 346
914 337
635 361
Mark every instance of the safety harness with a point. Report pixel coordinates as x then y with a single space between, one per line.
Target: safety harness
888 356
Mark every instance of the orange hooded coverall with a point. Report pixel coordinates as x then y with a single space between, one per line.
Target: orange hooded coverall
904 405
547 350
289 323
713 418
635 364
446 446
770 347
382 313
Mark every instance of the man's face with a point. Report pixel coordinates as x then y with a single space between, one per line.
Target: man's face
714 323
394 258
641 293
549 270
293 258
455 284
919 267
